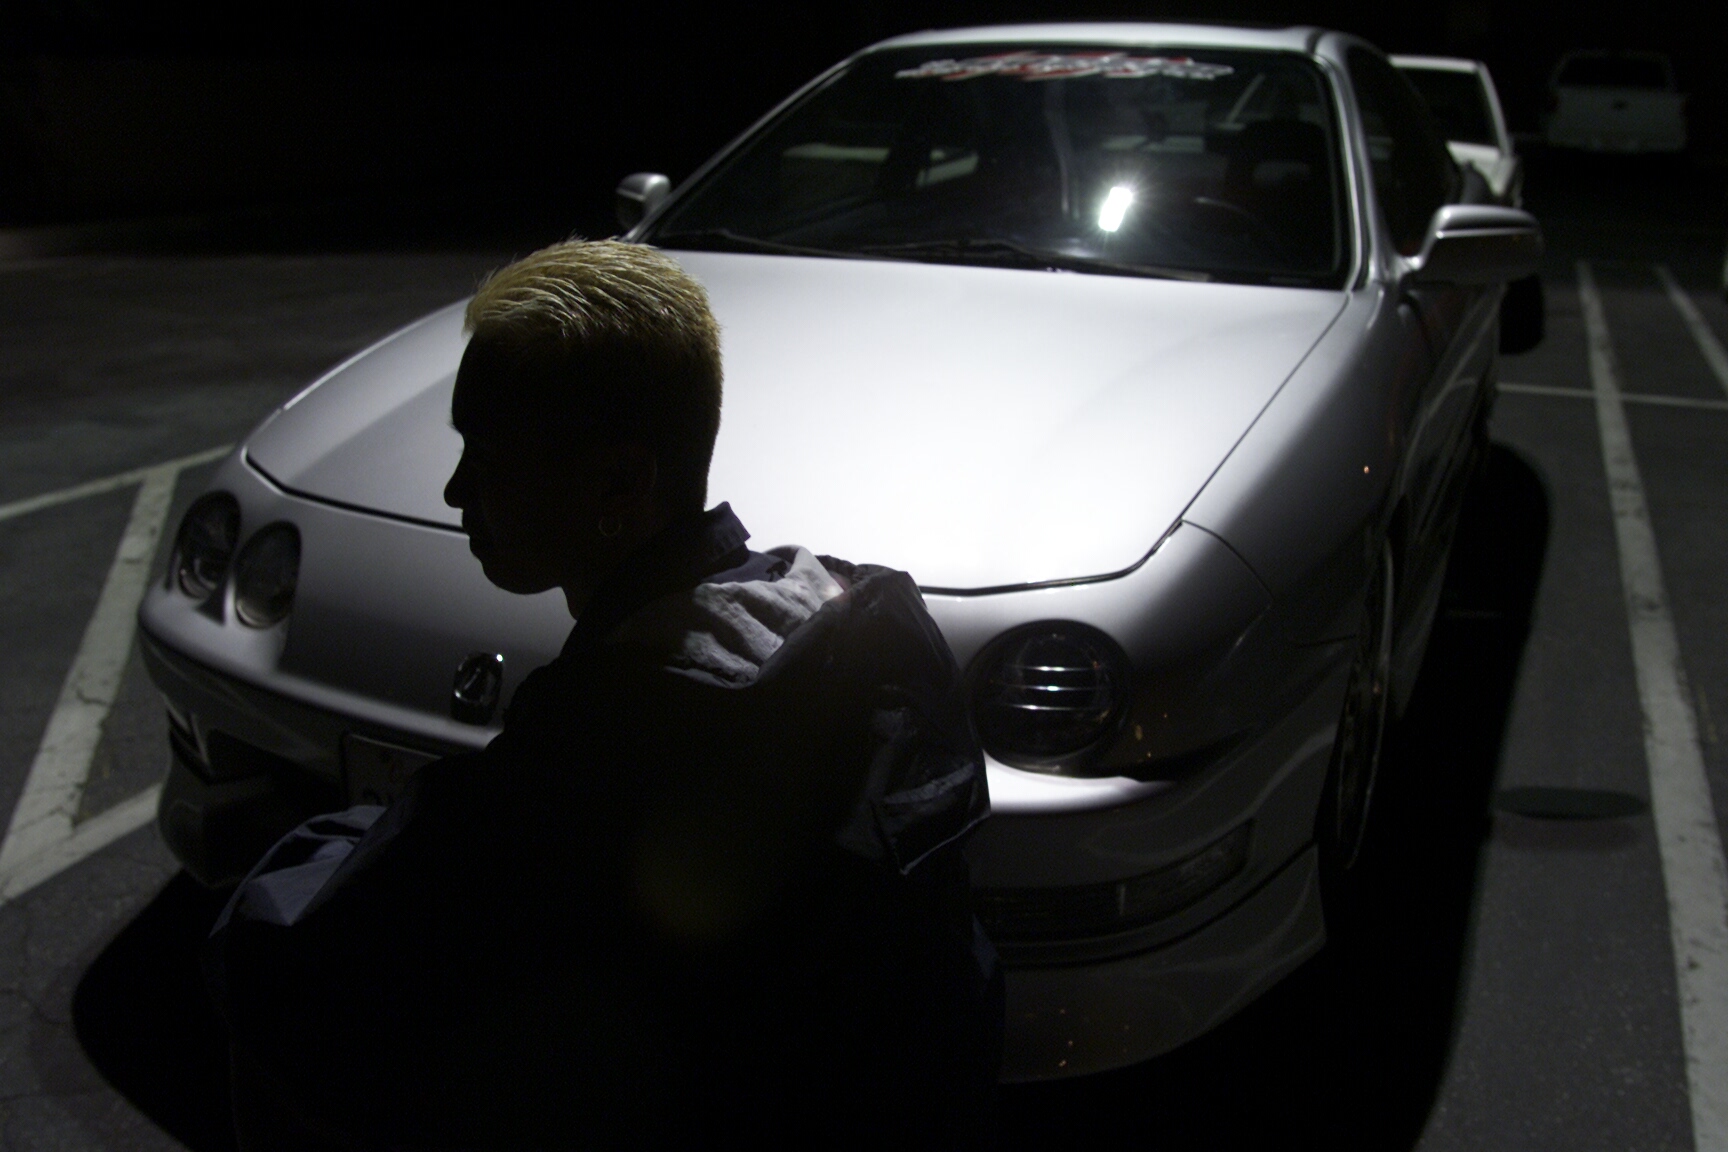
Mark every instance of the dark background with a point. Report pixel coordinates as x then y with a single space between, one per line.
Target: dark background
417 117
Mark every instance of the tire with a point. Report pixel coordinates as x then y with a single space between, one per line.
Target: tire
1346 800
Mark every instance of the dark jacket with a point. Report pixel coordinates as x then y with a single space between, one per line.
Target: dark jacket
707 881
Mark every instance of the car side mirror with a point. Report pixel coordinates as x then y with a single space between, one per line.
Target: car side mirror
1479 244
639 194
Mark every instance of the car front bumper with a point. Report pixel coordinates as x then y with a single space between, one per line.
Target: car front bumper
1074 1007
247 765
1589 137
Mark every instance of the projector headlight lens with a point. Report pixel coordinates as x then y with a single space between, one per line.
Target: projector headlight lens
1045 695
206 543
265 576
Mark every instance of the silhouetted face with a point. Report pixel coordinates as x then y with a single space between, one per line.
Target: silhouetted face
522 509
533 502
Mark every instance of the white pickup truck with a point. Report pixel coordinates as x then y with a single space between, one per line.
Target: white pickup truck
1615 102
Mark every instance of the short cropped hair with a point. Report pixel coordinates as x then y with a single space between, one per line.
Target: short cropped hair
596 341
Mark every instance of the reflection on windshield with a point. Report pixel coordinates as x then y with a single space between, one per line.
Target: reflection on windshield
1198 164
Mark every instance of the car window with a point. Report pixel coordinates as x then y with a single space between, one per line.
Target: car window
1413 173
1613 72
1457 101
1206 164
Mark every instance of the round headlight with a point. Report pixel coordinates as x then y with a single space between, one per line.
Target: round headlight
206 544
265 576
1045 695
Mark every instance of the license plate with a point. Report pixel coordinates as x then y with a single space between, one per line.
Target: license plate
377 772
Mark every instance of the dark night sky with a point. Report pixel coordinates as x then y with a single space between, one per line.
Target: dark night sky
112 108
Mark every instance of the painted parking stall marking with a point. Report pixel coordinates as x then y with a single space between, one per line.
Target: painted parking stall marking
1625 397
1689 841
41 838
106 484
1708 345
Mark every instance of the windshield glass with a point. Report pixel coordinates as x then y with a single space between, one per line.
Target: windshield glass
1458 104
1189 163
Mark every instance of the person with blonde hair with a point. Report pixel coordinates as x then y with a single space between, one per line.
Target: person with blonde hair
707 881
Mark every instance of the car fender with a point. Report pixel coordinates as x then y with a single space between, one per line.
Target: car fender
1307 493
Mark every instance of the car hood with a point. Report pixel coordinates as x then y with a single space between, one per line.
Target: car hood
976 427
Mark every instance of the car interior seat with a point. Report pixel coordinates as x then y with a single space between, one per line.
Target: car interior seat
1277 171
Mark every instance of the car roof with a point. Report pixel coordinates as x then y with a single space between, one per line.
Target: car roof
1438 63
1296 38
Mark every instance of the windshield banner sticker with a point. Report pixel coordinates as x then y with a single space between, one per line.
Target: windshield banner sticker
1065 66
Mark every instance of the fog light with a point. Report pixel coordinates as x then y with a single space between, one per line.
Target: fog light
1099 909
205 545
265 576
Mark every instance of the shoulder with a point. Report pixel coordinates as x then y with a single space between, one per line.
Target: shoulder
887 622
724 629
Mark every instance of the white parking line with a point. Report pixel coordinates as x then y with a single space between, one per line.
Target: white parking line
49 801
41 840
1714 354
106 484
1544 390
91 836
1686 832
1627 397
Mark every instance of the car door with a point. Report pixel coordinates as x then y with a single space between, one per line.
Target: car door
1413 175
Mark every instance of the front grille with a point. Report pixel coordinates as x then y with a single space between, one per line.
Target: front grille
1046 694
1099 909
1079 690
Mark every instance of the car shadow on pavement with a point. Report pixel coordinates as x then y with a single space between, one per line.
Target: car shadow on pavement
1349 1051
141 1015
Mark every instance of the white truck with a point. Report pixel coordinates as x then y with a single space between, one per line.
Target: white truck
1615 102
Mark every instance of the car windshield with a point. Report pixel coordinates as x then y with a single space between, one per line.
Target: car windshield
1613 72
1183 163
1458 103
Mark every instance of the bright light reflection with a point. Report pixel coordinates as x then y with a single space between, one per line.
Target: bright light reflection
1115 207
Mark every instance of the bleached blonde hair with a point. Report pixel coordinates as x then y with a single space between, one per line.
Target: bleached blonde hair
599 339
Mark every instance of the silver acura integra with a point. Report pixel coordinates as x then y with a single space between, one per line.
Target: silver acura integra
1160 355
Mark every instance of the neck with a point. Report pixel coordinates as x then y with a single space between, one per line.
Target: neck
579 587
679 556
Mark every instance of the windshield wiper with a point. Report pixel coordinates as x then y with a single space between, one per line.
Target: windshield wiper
726 240
957 250
1009 252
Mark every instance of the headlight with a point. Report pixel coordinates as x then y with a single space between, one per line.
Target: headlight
206 544
265 576
1045 695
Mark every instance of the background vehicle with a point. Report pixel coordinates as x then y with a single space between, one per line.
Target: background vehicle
1462 96
1615 102
1159 354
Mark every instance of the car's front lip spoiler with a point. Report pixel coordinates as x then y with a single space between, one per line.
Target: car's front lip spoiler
1096 1015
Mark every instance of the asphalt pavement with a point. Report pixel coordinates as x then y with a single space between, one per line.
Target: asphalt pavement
1511 982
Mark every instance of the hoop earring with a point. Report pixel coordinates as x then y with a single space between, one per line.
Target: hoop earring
610 526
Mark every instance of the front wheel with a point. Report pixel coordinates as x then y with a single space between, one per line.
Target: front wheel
1347 797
